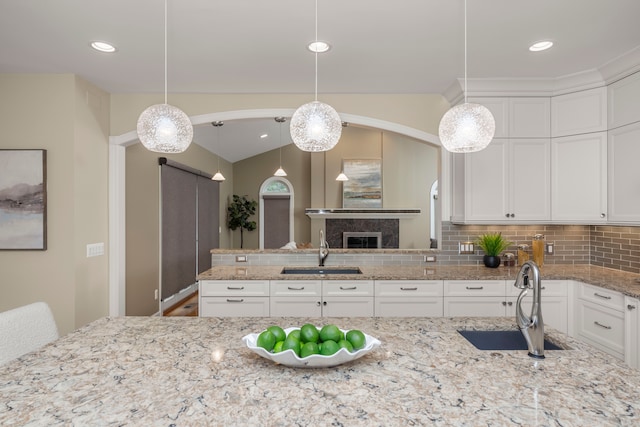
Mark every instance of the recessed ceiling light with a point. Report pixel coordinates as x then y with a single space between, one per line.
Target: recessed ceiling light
319 46
263 136
542 45
103 46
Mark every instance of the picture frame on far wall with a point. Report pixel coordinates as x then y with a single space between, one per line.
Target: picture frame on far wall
23 199
364 187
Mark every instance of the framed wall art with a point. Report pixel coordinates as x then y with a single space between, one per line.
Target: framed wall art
364 187
23 200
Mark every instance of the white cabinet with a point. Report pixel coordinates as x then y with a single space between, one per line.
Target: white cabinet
554 300
408 298
519 117
579 112
624 174
579 178
600 319
632 332
623 104
296 298
509 181
233 298
474 298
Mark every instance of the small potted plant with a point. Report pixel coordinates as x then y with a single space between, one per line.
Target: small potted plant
492 244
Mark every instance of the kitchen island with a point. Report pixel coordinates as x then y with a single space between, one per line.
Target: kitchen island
156 371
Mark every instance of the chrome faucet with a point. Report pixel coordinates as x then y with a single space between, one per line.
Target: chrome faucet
324 250
531 327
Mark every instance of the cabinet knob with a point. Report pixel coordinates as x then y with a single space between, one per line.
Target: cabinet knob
513 215
324 303
631 307
504 303
602 215
318 303
507 215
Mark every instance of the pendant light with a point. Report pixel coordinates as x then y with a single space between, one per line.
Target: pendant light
280 171
315 126
164 128
467 127
218 175
342 177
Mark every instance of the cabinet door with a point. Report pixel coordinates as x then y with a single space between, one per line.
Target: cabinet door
624 174
474 306
234 306
579 112
499 107
529 117
632 332
554 310
579 178
623 96
529 172
296 306
408 307
486 183
601 327
347 307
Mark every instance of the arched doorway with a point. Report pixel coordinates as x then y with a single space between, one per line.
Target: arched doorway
276 213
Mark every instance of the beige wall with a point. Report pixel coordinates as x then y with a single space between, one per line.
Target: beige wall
70 119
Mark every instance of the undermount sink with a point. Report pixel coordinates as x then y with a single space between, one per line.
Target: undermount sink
501 340
321 270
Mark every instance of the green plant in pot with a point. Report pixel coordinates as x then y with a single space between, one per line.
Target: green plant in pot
492 244
239 212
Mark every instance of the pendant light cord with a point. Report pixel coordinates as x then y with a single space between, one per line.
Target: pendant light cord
316 52
465 51
165 51
280 144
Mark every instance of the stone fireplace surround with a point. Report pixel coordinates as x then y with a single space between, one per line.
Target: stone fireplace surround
390 229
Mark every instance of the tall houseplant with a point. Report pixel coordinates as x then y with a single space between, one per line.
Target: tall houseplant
492 244
239 212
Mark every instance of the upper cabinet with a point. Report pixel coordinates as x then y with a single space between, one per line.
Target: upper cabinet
624 174
579 112
519 117
623 96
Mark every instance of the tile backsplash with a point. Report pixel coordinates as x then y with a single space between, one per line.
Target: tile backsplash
614 247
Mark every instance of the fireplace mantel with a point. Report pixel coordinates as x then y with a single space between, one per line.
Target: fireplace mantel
361 213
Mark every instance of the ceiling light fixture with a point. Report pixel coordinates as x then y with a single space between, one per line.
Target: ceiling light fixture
318 46
467 127
103 46
540 46
315 126
218 175
280 171
164 128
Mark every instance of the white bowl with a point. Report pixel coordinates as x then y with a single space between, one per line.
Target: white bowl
289 358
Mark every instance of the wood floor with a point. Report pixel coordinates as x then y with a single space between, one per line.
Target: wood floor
187 307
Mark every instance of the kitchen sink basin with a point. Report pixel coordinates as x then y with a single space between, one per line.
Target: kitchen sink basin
501 340
321 270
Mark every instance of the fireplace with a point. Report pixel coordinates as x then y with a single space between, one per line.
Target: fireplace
376 233
362 239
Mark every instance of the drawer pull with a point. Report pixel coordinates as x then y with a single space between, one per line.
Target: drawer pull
235 288
235 300
408 289
291 288
601 296
601 325
475 288
350 288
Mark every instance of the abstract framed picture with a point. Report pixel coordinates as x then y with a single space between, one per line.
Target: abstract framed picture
364 187
23 200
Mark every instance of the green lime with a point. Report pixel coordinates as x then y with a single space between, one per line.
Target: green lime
329 347
291 343
330 332
308 349
295 333
309 333
345 344
277 348
266 340
356 338
277 332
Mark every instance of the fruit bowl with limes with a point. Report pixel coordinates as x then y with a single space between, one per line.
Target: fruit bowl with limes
309 346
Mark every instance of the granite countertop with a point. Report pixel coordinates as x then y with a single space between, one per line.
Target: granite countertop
154 371
621 281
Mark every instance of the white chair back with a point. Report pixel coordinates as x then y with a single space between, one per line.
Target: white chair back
25 329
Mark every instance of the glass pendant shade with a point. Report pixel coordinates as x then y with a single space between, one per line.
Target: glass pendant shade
218 177
280 172
315 127
164 128
342 177
466 128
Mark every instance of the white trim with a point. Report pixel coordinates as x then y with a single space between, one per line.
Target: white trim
117 247
291 205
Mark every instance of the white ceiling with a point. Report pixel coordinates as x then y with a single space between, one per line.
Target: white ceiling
242 46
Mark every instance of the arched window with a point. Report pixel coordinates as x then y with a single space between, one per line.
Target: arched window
276 213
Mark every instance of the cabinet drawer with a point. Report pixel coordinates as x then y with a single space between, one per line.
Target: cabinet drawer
234 288
296 288
347 287
605 297
234 307
601 326
347 307
408 307
297 306
484 288
408 288
474 306
549 288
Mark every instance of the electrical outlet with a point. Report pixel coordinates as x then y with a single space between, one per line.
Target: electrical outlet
429 258
466 248
241 258
95 249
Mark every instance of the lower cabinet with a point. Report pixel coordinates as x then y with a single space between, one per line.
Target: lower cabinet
474 298
600 319
233 298
632 332
555 297
408 298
